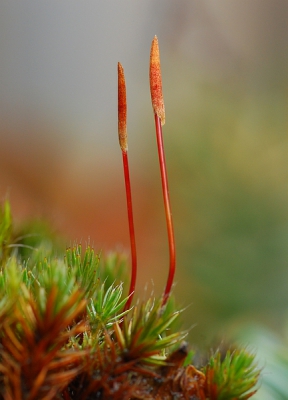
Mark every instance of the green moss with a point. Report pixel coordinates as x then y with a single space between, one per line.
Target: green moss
64 333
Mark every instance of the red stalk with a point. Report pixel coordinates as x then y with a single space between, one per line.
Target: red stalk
168 214
122 132
159 114
131 229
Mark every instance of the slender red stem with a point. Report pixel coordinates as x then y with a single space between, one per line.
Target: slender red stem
159 113
169 221
122 132
131 229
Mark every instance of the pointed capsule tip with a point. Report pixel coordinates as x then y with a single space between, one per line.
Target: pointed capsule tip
122 109
156 81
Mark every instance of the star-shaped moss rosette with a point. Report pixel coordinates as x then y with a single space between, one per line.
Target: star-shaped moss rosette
68 331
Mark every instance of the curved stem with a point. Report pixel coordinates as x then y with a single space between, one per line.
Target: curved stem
131 229
169 222
122 133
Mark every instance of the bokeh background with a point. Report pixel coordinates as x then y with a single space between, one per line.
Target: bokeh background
224 67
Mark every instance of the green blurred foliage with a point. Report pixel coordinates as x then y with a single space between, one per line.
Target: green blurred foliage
272 354
227 158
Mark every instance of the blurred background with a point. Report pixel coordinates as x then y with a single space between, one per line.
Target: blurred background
224 71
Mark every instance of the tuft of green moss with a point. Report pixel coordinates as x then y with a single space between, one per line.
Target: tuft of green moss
65 333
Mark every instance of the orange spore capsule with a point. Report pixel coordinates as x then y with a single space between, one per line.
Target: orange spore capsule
122 109
156 82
